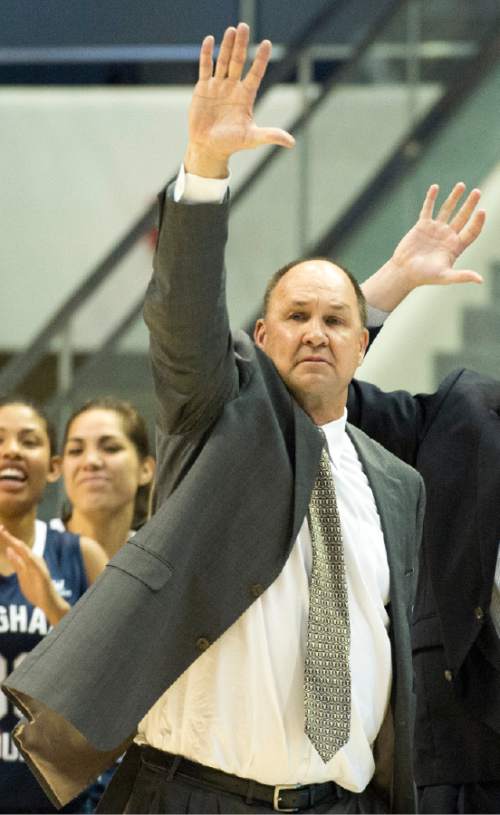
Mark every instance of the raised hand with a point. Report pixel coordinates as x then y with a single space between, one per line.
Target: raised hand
33 577
429 250
427 253
221 114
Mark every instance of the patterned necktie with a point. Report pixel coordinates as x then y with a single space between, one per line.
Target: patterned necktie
327 679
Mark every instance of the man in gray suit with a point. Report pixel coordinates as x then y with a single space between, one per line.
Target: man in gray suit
259 647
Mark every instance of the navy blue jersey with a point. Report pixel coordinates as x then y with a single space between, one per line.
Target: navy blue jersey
22 626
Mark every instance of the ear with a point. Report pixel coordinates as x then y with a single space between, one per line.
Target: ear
363 344
55 465
259 333
147 470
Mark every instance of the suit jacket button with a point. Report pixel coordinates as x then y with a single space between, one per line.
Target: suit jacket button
256 589
448 675
202 643
479 613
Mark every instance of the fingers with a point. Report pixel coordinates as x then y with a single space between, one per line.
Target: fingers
473 229
16 551
466 210
232 57
16 560
239 54
14 543
259 66
225 51
451 202
206 59
429 201
5 536
467 223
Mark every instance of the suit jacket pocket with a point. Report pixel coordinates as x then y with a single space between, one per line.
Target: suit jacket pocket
143 565
426 633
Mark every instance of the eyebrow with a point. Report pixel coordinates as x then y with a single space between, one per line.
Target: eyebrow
81 439
333 306
33 429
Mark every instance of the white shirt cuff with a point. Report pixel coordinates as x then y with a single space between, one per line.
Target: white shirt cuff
375 317
195 189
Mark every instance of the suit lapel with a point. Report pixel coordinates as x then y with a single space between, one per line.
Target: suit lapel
386 491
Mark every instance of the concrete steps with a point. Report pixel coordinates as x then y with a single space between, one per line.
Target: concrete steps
485 362
480 336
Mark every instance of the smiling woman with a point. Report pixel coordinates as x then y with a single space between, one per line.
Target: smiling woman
43 572
108 472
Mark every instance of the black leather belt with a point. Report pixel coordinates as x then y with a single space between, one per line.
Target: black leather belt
282 797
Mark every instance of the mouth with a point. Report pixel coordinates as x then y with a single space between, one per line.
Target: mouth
13 475
93 479
314 360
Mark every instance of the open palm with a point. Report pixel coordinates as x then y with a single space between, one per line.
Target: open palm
430 249
32 573
221 113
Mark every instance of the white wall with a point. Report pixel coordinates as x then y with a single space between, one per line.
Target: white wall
79 165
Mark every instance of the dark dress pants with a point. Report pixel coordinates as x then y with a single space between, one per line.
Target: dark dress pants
460 799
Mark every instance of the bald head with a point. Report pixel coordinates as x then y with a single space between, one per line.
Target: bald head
312 264
313 331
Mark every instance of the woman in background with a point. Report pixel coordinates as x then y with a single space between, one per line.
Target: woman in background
108 472
42 573
108 475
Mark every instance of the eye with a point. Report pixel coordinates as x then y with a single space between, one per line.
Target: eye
73 451
299 316
112 448
31 441
333 320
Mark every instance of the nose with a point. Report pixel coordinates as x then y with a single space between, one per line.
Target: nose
314 333
10 447
92 458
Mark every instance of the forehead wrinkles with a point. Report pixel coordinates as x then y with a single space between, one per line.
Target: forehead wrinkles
308 284
322 298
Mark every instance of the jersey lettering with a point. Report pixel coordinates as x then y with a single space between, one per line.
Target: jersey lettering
8 750
60 587
14 619
38 623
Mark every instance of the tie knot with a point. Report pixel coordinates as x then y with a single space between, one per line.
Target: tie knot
323 438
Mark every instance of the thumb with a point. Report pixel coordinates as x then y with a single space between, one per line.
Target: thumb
463 276
274 135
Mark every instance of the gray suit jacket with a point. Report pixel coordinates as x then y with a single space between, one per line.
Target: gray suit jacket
237 462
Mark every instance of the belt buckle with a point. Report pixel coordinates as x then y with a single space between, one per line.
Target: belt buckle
277 793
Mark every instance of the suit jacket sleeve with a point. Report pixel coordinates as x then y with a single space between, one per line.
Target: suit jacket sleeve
185 309
397 420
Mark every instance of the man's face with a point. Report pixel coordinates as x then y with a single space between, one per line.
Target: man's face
313 333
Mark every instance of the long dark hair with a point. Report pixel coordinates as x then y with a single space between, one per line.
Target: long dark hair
136 431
